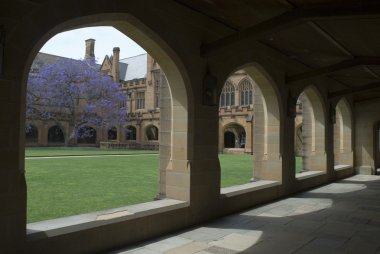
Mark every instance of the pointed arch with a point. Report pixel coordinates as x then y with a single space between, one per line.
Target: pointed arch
267 161
245 87
227 97
313 130
343 154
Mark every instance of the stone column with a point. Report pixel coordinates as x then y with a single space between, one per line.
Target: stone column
44 134
165 140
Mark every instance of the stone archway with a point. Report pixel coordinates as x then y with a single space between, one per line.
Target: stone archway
31 134
130 133
234 136
313 131
129 19
229 139
55 135
266 125
86 135
343 154
112 133
151 133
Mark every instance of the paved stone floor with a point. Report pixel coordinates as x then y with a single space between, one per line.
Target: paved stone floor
342 217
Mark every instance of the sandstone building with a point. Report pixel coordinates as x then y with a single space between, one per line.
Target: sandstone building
142 79
326 50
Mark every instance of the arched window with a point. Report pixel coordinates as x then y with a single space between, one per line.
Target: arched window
86 135
246 92
55 135
227 98
130 133
151 132
112 133
31 134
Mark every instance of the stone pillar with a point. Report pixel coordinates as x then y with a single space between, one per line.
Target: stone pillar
267 159
221 136
39 139
121 134
313 136
248 137
115 64
44 135
138 134
12 174
165 141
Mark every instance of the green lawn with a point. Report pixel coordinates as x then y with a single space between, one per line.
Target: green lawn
68 186
63 151
236 169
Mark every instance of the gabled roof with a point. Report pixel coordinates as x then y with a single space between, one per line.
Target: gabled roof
106 62
133 67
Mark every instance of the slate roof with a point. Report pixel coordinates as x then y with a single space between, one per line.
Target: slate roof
134 67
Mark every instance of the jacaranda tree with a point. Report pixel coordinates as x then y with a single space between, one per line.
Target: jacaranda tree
75 92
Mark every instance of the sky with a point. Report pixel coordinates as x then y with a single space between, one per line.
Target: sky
71 44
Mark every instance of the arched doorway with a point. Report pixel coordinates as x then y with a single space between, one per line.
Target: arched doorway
112 133
130 133
31 134
86 135
151 133
55 135
229 139
234 136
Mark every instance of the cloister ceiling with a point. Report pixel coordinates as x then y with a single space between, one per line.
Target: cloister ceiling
337 39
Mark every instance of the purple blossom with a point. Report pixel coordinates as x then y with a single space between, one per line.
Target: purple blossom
75 92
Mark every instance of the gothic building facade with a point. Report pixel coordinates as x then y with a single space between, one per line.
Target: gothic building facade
143 81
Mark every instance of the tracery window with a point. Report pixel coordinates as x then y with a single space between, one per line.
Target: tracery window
246 92
227 98
140 100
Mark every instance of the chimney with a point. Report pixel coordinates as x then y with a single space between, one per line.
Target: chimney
115 64
90 46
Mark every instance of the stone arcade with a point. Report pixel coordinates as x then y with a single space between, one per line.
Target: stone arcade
142 79
327 51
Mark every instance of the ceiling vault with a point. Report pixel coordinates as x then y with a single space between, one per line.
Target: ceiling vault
345 64
292 18
364 88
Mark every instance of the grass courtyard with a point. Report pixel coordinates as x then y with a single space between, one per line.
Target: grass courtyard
59 187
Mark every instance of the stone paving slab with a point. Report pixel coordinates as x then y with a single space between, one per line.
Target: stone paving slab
342 217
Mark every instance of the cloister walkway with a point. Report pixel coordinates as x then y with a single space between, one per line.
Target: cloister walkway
341 217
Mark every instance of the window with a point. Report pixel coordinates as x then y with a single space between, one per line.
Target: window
151 133
140 100
130 133
227 98
246 92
